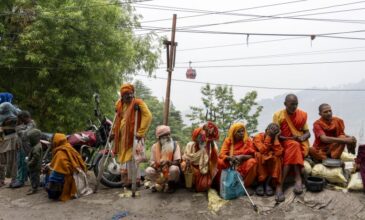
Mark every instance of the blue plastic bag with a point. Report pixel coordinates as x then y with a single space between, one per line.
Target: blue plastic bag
230 186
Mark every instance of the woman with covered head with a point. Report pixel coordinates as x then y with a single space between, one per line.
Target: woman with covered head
123 129
66 162
238 150
201 156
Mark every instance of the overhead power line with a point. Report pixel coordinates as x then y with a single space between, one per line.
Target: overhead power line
264 17
224 12
239 44
310 53
272 64
325 35
254 86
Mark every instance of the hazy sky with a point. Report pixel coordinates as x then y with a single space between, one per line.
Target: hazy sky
185 94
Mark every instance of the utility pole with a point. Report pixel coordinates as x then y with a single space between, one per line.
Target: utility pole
171 53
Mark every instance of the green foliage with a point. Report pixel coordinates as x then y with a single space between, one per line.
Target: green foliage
55 54
156 107
220 106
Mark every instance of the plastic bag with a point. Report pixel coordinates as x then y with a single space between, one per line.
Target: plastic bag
332 175
307 168
82 184
140 153
230 186
355 182
348 157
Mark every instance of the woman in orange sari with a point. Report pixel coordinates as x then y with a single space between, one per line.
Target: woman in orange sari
238 149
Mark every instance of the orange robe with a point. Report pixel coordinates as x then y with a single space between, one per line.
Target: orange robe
335 128
247 168
124 127
290 125
66 160
269 158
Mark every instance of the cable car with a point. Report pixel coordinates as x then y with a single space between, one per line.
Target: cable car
190 72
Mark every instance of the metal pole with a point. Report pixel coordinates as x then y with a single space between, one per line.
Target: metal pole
169 70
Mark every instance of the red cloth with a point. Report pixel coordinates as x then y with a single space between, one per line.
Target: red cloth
360 159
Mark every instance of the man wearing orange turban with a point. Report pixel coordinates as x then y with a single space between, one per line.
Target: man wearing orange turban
201 156
123 130
294 139
238 149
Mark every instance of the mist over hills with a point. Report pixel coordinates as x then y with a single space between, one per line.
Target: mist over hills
350 106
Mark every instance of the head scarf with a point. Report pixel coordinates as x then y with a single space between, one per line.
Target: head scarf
196 133
60 143
233 130
126 88
162 130
210 126
6 97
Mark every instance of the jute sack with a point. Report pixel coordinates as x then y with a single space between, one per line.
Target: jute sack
332 175
355 182
307 168
348 157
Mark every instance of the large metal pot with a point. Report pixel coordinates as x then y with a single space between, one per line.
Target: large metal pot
315 184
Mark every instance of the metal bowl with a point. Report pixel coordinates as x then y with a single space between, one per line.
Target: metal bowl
332 162
315 184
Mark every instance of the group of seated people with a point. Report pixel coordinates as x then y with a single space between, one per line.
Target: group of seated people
264 160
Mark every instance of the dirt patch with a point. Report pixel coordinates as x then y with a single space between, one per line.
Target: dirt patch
14 204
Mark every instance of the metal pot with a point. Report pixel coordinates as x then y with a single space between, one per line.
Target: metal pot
332 162
315 184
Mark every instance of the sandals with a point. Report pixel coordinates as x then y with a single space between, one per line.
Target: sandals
268 190
260 190
298 189
279 197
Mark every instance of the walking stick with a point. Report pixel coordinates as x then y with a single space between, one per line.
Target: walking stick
134 165
102 163
244 188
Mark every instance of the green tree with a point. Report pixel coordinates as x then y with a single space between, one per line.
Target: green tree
55 54
220 106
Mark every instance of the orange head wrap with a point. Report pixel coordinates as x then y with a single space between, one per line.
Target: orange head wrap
196 133
212 131
126 88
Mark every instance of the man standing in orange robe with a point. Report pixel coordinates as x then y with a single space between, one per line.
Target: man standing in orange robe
238 149
330 137
269 160
123 129
294 139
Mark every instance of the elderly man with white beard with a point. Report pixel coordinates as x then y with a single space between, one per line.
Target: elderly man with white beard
164 171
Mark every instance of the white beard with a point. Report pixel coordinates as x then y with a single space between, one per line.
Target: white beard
166 144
